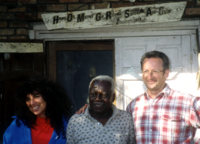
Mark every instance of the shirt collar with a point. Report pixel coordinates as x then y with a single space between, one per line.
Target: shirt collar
164 92
115 112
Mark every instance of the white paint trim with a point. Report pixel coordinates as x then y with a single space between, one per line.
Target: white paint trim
108 35
171 28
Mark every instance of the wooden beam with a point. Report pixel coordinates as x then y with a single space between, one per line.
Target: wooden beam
11 47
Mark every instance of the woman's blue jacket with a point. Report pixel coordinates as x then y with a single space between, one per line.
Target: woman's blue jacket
21 134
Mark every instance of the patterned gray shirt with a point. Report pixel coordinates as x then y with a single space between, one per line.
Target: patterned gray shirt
84 129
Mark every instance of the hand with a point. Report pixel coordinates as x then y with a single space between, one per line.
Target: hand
82 109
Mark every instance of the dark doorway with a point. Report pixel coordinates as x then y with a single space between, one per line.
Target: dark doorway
76 63
14 69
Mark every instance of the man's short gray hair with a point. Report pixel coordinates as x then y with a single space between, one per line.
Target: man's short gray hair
104 78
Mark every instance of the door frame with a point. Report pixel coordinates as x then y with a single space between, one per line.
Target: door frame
183 27
40 31
53 46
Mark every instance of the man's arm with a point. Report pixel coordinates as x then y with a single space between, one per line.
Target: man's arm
82 109
70 132
195 112
132 139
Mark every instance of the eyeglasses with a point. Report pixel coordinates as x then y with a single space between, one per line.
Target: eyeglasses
153 72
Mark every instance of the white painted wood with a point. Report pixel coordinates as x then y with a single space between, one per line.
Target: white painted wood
181 32
171 28
183 24
194 52
95 35
127 88
178 33
128 72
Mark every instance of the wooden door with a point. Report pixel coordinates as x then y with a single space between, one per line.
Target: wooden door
73 64
181 49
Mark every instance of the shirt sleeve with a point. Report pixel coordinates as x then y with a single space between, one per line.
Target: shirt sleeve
17 133
4 140
195 113
130 107
70 131
131 132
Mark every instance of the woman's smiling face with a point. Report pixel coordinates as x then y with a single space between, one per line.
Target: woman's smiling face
36 104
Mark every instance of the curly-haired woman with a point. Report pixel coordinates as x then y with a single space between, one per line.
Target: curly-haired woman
42 114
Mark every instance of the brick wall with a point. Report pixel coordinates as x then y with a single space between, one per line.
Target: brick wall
17 16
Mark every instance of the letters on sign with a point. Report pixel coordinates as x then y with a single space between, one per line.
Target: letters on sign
116 16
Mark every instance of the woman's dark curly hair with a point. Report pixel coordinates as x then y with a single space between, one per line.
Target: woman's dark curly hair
58 106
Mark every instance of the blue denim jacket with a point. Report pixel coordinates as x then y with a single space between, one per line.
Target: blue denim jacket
21 134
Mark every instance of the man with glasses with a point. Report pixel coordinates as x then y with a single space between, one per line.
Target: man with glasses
162 115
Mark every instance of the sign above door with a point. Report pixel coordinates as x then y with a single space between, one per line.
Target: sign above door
155 13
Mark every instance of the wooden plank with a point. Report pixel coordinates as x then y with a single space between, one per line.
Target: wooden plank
9 47
156 13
